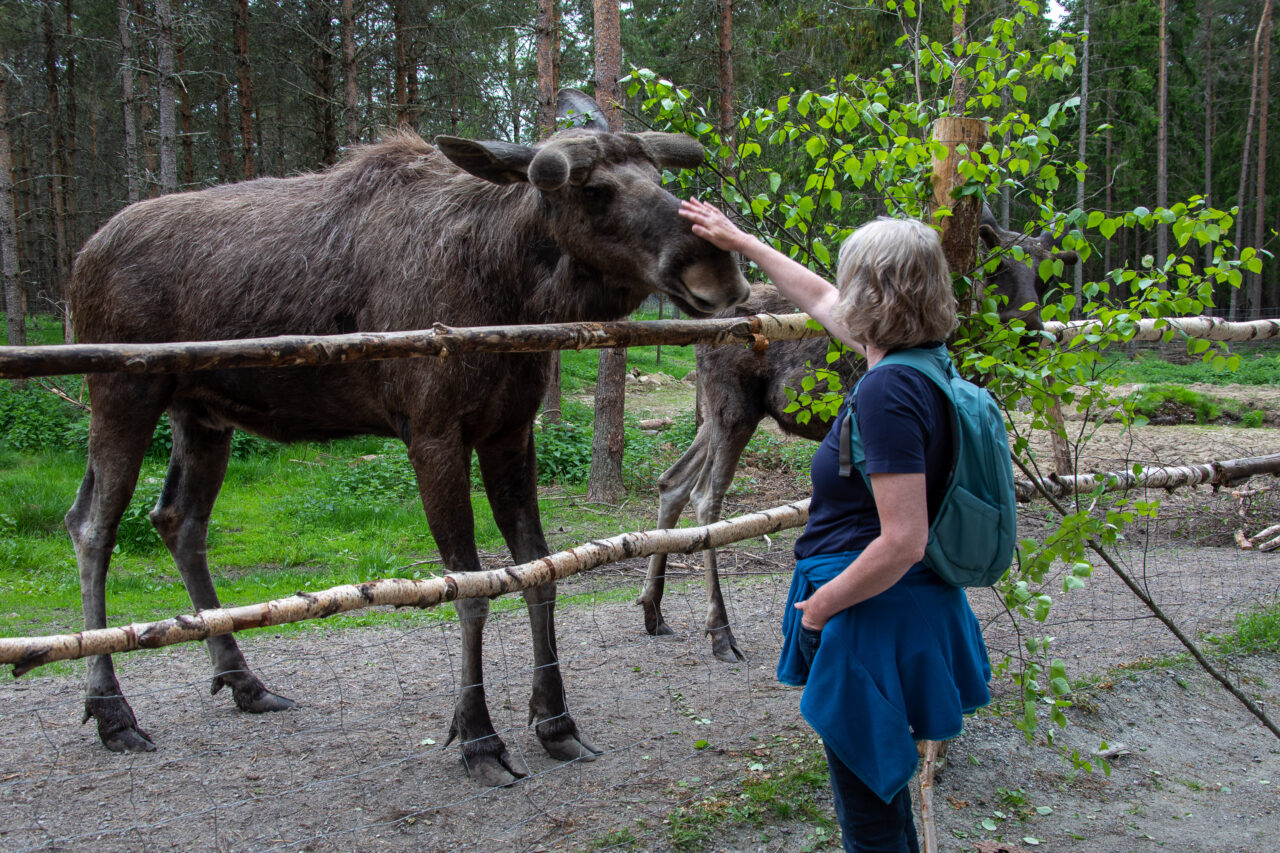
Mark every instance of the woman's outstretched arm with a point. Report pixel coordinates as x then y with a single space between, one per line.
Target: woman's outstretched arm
808 291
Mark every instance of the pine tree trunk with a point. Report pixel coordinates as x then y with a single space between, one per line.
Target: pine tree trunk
401 69
607 444
14 304
1246 149
186 137
57 166
548 50
244 81
70 186
127 63
147 132
168 100
350 89
1208 14
324 127
1162 136
1260 195
727 121
1082 149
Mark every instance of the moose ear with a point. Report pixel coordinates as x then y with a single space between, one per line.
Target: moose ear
577 109
989 236
496 162
673 150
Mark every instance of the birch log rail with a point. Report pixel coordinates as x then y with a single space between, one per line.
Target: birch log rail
1221 473
26 653
1205 328
439 341
442 341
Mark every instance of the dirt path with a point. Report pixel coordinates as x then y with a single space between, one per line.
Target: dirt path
359 763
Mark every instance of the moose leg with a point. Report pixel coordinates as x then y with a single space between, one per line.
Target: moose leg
197 466
674 488
510 479
442 465
712 484
125 412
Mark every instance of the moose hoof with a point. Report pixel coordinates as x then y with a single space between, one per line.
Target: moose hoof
493 769
570 748
117 727
562 741
249 694
724 646
653 621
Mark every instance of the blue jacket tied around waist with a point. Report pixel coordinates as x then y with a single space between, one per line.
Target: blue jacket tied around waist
902 666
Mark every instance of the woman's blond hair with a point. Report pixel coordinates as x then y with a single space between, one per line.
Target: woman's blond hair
895 285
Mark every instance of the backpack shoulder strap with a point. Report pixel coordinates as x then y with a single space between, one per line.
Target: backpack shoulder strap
933 362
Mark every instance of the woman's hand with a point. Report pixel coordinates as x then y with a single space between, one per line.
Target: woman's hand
712 225
811 615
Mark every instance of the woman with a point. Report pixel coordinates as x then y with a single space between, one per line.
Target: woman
888 652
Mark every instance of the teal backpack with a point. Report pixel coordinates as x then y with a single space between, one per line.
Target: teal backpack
973 536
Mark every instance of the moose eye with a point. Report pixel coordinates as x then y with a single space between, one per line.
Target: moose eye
597 193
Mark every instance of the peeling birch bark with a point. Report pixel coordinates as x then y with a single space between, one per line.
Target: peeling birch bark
26 653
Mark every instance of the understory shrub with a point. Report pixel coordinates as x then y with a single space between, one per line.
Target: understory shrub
34 421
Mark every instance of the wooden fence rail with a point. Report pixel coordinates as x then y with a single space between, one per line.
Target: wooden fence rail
444 341
26 653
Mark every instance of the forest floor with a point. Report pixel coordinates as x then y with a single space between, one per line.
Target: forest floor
360 762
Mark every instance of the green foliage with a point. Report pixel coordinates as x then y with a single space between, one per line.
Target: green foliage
803 171
32 420
136 534
564 452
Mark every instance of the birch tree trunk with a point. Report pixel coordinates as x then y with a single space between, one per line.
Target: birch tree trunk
127 62
608 442
168 101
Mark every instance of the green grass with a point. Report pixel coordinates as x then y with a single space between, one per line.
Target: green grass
782 782
1153 400
42 329
1258 368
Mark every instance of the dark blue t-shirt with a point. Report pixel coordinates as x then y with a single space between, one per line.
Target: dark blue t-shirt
905 424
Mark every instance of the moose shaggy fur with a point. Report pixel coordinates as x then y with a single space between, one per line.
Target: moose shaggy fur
401 235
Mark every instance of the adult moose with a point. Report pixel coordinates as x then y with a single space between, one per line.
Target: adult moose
400 235
737 388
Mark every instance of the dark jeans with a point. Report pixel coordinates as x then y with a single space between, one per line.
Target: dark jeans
869 824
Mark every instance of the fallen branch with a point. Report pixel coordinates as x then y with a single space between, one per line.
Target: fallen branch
1223 473
26 653
1156 611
